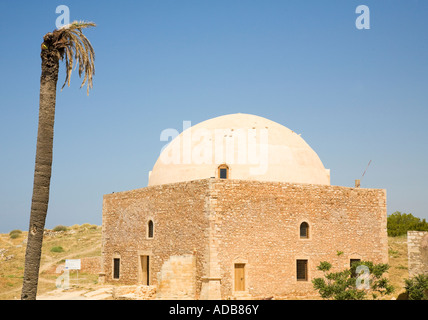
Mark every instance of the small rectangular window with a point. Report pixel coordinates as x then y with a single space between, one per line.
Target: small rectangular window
352 261
116 268
302 270
223 173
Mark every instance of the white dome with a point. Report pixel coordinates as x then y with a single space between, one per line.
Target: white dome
252 148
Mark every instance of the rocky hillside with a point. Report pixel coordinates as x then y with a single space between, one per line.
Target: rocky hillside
76 242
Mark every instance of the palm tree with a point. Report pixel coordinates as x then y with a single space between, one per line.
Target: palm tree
69 43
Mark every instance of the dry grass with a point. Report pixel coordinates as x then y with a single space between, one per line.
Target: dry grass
397 251
78 242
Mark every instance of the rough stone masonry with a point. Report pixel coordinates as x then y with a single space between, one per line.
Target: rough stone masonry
417 251
221 239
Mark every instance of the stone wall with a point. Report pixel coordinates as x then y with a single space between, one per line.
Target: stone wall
211 225
177 278
90 265
257 223
417 248
178 212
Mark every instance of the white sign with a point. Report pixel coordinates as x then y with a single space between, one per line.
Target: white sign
72 264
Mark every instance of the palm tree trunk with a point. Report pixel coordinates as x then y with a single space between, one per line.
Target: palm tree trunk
42 171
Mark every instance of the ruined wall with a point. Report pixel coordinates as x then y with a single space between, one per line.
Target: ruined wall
417 248
90 265
258 224
178 212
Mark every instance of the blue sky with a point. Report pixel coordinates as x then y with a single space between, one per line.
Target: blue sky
354 95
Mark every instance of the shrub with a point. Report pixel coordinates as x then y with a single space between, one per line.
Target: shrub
399 223
417 287
15 234
343 285
57 249
60 228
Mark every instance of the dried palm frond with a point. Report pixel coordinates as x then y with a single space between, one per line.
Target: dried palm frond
75 48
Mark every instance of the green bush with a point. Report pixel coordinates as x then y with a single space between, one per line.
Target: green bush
343 285
57 249
60 228
399 223
417 287
15 234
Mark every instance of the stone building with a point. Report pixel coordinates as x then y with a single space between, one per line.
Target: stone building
238 206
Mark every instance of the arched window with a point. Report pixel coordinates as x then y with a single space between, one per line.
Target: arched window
304 230
150 229
223 171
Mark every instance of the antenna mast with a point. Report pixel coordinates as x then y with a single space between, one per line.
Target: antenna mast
366 170
358 182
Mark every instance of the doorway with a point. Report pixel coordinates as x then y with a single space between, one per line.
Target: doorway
145 270
239 276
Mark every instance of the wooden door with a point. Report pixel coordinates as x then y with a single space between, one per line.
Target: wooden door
145 268
239 277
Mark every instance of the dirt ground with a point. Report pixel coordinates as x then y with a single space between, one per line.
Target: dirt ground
101 293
